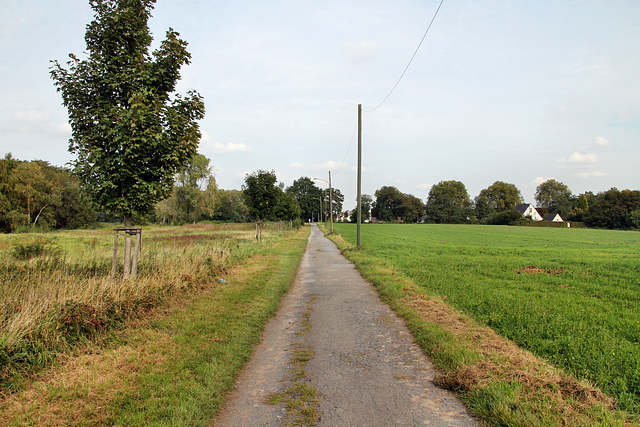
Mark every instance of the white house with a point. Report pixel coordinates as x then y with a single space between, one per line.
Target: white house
527 209
554 218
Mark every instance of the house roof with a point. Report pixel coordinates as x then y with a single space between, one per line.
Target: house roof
522 208
552 216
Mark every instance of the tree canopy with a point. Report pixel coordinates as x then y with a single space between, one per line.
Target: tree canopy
498 197
448 202
391 205
554 196
130 135
36 193
306 192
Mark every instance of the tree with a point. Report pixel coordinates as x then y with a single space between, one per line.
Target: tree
261 195
129 135
498 197
614 209
366 201
288 207
411 209
37 193
230 206
387 204
391 204
448 202
338 200
189 188
554 196
307 194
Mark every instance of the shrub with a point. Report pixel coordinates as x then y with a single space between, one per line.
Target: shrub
505 218
35 247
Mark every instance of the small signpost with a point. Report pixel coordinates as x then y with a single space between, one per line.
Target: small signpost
130 263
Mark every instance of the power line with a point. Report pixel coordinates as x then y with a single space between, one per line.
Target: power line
348 148
411 60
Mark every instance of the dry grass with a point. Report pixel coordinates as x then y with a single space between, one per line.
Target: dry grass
86 386
503 361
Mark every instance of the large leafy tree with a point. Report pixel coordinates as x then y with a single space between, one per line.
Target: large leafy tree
392 204
554 196
498 197
448 202
615 209
387 204
307 193
130 133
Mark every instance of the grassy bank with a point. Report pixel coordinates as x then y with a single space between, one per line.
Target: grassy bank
174 366
570 297
55 290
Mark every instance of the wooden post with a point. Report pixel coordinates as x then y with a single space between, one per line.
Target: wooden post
136 250
330 202
114 263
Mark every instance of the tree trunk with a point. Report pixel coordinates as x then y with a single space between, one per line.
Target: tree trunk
38 216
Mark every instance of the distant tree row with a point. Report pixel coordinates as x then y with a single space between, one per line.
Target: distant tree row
449 202
36 194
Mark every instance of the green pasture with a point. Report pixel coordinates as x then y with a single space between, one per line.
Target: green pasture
579 308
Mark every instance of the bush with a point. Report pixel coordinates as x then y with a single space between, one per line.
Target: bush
35 247
505 218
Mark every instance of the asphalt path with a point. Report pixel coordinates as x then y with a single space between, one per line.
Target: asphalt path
364 364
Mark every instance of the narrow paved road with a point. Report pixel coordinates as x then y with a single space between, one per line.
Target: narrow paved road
365 366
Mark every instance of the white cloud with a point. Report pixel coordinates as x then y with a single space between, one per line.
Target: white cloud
331 165
36 122
538 180
244 174
586 175
582 158
297 165
361 50
601 142
424 186
218 147
577 157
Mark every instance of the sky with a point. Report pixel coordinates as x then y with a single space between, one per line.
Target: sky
500 90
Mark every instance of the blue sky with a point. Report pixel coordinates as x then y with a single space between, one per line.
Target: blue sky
516 91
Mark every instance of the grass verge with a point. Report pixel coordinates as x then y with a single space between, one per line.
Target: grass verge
173 368
501 383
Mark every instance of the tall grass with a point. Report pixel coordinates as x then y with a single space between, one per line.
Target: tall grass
55 289
577 305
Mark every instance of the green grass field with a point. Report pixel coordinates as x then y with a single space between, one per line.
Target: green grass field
570 296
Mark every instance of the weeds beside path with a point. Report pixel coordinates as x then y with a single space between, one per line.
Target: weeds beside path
173 369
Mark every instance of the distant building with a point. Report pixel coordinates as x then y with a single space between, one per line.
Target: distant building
527 210
554 218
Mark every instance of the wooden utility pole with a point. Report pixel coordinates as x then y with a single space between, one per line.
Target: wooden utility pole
359 172
330 202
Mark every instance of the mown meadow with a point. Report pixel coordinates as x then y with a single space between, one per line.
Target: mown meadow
56 290
570 296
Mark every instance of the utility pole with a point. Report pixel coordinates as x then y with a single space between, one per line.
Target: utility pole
330 202
359 172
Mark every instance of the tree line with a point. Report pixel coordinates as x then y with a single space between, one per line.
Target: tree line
449 202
